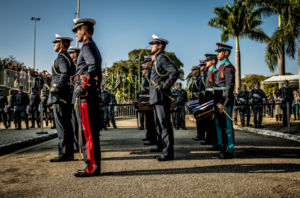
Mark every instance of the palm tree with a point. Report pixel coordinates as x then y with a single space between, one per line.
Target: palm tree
189 80
283 41
237 21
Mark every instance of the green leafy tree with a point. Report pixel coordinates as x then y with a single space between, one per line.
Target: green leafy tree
237 21
284 40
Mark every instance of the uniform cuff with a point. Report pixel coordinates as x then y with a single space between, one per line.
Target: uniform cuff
85 82
169 84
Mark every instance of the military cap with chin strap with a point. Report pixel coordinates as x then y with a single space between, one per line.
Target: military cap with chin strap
202 62
257 83
221 47
210 56
195 67
20 87
60 38
156 39
147 59
83 21
74 49
244 85
286 81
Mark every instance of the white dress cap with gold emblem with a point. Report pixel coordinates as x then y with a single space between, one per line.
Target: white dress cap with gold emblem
60 38
156 39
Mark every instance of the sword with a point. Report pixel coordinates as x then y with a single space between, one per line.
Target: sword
55 94
77 107
232 119
156 85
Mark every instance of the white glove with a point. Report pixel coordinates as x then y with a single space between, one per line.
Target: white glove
281 99
264 99
27 110
39 108
256 96
242 99
5 109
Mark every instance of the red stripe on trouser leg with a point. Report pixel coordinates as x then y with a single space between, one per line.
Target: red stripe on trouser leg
88 138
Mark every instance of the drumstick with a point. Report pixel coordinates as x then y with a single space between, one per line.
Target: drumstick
232 119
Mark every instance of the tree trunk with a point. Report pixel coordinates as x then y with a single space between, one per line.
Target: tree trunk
298 60
237 69
237 64
281 54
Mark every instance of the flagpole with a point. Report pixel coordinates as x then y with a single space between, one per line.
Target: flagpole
135 86
129 91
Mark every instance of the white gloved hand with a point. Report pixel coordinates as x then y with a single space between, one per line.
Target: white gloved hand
256 96
27 110
281 99
5 109
264 99
242 99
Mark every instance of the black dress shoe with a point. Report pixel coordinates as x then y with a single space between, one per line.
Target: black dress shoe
141 128
177 128
32 126
62 159
149 143
53 127
164 158
205 143
156 149
249 124
115 127
145 139
6 127
197 139
225 156
259 126
184 128
84 174
105 128
18 129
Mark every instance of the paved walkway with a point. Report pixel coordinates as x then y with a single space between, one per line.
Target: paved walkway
263 167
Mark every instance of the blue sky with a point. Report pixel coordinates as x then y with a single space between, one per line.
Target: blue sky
124 25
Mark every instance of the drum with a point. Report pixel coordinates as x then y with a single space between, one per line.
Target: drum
144 103
191 105
174 104
204 111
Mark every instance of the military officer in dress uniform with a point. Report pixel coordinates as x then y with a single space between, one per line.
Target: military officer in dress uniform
21 105
74 53
151 134
237 102
113 101
3 108
257 97
180 109
61 97
286 95
104 110
195 96
10 107
244 97
213 136
89 72
173 111
164 75
44 99
34 108
224 99
141 114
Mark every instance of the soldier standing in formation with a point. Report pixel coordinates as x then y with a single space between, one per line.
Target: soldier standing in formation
173 111
151 134
237 102
90 75
34 108
60 97
163 76
10 108
104 110
257 97
3 108
224 99
214 134
243 97
180 109
74 53
285 95
113 101
195 96
44 99
20 103
141 114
